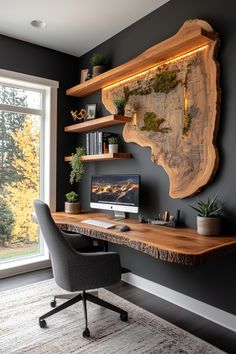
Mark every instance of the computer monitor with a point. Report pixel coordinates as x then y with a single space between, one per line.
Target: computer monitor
119 193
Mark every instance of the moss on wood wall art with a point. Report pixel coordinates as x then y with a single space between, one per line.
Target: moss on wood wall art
152 123
161 82
174 110
165 81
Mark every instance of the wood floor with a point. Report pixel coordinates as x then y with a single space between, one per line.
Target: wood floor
198 326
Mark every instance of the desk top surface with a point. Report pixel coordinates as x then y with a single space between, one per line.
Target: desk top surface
180 245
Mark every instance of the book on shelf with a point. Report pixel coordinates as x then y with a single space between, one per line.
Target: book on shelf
87 144
97 142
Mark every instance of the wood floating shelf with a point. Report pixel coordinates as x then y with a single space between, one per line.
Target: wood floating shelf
97 123
103 157
174 47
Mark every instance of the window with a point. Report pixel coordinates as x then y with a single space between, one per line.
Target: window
27 167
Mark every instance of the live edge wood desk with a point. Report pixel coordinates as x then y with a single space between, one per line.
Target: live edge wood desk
180 245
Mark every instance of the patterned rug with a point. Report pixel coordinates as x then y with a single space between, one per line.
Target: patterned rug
143 333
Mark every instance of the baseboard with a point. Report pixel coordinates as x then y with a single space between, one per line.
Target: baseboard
200 308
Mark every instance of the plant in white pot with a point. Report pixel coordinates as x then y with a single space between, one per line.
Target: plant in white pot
113 144
98 62
208 217
72 206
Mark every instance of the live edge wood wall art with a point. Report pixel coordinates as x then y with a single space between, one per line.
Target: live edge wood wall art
174 106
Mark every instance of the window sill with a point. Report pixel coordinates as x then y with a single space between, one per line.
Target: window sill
24 265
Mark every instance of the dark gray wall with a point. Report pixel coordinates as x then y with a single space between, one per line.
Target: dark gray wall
34 60
213 283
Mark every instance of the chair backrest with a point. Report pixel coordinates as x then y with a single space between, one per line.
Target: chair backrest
59 249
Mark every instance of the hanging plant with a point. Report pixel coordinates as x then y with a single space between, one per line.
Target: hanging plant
77 165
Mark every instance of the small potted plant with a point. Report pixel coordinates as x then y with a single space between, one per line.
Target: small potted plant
77 165
98 62
113 144
208 217
120 104
72 206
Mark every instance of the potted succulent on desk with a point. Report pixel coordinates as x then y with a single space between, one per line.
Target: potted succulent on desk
98 62
72 206
113 144
208 217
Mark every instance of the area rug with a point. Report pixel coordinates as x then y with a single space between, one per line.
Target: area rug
143 333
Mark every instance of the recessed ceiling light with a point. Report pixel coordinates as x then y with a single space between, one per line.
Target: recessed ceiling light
38 24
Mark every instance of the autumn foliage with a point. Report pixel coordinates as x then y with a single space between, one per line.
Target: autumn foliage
20 195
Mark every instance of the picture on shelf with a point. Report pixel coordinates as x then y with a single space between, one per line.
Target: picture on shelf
83 75
91 110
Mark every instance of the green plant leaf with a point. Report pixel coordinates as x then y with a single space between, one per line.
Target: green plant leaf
71 197
120 102
213 201
197 209
113 140
208 208
98 59
77 165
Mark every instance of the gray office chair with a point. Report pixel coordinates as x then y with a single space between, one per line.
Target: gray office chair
77 271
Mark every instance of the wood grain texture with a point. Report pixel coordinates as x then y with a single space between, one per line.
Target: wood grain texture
181 245
97 123
195 36
103 157
184 142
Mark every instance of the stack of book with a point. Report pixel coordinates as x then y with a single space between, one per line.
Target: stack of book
97 142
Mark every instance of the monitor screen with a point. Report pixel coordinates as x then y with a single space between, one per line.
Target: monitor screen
115 192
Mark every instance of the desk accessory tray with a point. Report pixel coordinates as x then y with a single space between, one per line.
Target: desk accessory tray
162 219
163 223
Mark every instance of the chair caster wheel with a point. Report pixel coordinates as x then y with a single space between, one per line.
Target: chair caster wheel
42 323
124 317
86 333
53 303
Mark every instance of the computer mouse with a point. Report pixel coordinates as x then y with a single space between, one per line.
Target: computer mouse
124 228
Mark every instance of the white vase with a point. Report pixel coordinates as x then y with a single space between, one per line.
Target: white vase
208 226
113 148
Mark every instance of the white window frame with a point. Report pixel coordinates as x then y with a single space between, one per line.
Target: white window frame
48 159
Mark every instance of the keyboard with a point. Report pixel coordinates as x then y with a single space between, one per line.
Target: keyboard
102 224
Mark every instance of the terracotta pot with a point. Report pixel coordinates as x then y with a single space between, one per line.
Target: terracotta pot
72 208
97 70
208 226
113 148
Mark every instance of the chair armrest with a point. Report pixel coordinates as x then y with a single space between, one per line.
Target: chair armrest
78 241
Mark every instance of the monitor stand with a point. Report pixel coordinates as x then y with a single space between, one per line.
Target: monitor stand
118 215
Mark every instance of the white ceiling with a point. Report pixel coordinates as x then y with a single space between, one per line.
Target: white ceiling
73 26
